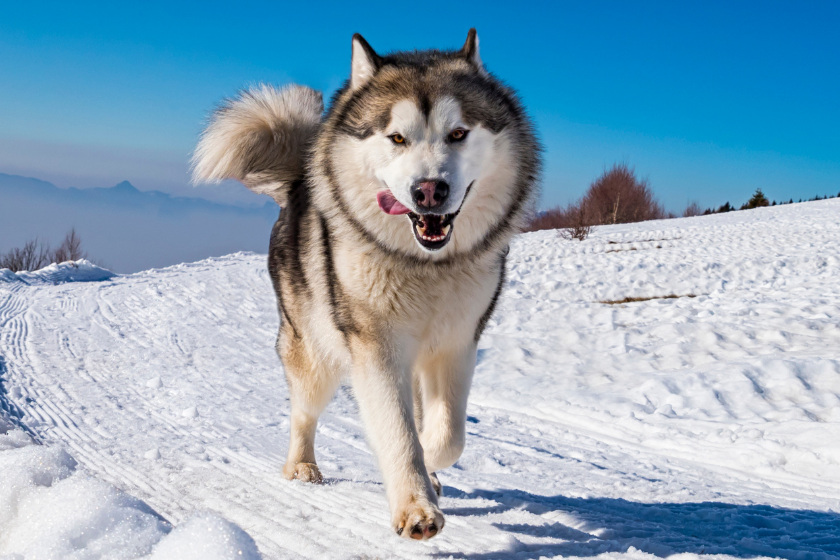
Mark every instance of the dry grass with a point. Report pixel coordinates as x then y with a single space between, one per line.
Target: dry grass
643 240
635 299
615 250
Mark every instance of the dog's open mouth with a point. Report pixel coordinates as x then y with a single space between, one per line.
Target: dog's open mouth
432 231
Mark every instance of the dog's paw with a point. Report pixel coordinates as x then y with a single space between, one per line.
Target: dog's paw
305 472
418 521
436 485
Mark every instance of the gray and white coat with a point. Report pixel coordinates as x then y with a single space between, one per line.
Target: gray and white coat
389 253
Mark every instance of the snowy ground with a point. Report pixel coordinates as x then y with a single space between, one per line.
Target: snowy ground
697 425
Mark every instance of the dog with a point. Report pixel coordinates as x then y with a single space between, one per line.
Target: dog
388 258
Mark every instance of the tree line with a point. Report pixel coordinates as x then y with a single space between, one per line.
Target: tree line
618 196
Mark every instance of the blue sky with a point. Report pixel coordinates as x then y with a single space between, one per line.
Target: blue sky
707 100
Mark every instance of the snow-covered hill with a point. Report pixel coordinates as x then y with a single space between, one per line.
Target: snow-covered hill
707 423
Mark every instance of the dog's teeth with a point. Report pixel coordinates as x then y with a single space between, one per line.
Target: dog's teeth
421 227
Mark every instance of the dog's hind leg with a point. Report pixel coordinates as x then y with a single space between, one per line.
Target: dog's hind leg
418 422
312 384
444 378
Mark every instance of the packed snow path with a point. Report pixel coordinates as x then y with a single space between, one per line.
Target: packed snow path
704 424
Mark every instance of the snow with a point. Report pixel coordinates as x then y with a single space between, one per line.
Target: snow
49 509
206 537
683 427
39 489
70 271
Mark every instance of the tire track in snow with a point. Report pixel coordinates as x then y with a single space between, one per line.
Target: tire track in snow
54 422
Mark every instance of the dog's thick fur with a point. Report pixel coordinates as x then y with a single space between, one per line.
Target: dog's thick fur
362 290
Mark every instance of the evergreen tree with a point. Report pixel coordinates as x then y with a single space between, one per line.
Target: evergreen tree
758 199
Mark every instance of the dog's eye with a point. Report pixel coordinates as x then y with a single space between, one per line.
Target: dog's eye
397 138
458 135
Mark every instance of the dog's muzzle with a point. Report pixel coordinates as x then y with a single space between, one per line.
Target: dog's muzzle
432 231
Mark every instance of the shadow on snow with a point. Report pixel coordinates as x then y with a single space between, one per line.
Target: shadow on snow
613 525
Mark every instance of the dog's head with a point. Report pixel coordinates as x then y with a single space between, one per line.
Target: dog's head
427 153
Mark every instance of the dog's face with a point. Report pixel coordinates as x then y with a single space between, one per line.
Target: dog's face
427 149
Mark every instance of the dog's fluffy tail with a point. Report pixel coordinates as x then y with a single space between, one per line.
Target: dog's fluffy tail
260 138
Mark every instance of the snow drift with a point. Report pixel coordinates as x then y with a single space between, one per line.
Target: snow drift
48 509
70 271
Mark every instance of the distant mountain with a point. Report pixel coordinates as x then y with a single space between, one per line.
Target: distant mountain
16 181
120 194
128 229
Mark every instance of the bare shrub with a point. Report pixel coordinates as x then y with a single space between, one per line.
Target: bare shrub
693 209
32 256
555 218
36 254
70 249
578 227
579 232
570 221
618 197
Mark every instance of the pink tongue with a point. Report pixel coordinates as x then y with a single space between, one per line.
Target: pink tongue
389 204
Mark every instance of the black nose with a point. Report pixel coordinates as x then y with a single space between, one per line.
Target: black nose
430 194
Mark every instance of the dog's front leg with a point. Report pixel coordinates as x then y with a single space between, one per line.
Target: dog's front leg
382 384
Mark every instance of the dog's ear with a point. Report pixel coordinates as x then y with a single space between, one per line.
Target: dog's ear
364 64
470 51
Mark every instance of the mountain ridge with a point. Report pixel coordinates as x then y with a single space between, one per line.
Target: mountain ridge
128 229
119 193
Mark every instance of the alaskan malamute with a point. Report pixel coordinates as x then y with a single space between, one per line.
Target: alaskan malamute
389 253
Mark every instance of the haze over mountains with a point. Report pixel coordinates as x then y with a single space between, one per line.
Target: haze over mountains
128 230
